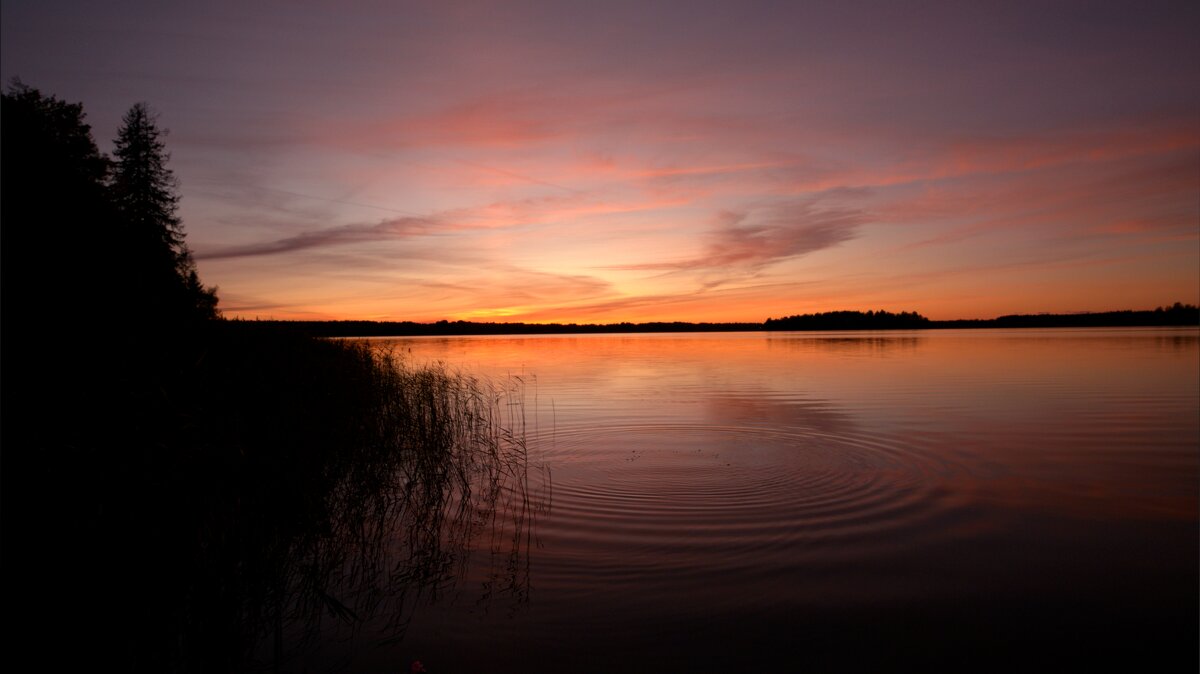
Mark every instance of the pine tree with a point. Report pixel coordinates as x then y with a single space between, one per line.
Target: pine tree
143 187
146 194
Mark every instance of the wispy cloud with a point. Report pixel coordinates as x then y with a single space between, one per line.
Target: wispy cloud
394 228
751 302
508 291
754 238
1062 201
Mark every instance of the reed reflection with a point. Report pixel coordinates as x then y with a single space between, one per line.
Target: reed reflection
446 506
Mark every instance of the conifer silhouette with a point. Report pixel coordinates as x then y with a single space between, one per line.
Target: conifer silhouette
146 194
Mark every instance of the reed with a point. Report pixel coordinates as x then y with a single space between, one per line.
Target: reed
371 483
239 490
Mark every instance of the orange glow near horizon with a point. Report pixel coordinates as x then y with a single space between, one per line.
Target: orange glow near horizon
1097 231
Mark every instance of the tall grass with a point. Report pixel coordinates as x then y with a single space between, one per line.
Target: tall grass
364 480
221 500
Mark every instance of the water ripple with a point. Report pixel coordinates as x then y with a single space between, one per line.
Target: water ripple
711 497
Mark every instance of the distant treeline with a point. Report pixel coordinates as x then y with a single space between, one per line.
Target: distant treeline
411 329
1175 315
850 320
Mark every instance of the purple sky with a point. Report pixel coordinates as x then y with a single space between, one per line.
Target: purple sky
604 161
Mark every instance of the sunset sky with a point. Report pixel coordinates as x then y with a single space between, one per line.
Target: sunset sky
632 161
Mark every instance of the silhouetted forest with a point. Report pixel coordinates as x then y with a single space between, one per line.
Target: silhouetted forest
182 493
410 328
1175 315
850 320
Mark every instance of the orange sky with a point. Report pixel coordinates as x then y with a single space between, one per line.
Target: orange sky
612 162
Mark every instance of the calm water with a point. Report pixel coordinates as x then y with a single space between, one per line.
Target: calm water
837 501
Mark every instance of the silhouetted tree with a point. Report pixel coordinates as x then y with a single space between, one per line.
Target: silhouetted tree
146 194
57 228
56 217
99 335
143 187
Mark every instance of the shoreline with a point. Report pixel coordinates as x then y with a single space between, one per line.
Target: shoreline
1178 316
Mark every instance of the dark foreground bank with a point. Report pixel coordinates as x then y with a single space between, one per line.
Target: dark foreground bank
206 509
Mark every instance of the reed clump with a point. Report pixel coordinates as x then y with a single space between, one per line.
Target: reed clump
236 495
359 479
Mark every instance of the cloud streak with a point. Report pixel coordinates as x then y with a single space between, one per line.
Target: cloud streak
394 228
752 239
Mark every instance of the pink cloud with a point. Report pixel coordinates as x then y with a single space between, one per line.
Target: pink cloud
1156 192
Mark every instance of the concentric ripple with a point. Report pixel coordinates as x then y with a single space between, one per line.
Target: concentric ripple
679 507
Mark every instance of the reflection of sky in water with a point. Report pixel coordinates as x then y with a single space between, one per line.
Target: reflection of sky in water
1030 375
773 476
1091 414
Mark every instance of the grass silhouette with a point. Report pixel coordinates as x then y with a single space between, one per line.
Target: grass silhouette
222 503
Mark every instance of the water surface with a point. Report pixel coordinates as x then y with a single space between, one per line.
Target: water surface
838 501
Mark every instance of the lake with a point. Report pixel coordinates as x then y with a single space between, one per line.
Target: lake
855 501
